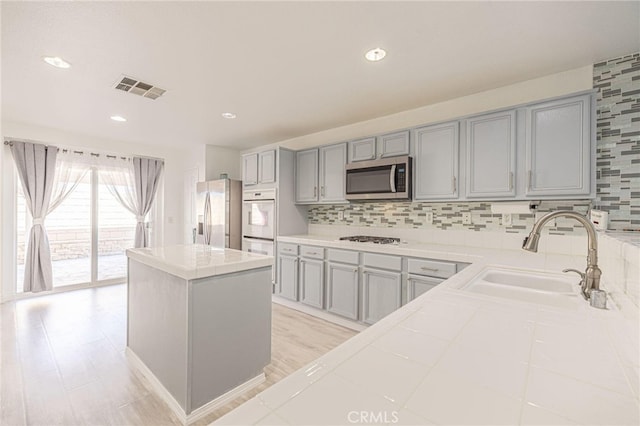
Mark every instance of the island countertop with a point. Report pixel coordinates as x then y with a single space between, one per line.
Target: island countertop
195 261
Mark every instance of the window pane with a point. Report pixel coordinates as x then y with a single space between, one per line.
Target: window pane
69 231
116 233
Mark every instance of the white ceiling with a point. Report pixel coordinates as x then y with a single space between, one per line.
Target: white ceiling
286 68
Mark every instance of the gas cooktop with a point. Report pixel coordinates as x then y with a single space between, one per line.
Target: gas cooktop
371 239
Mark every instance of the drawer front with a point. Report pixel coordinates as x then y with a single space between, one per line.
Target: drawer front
288 249
382 261
312 252
342 256
432 268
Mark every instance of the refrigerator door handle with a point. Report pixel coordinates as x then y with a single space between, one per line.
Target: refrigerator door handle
207 218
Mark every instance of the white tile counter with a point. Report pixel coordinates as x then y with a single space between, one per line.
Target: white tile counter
453 357
198 260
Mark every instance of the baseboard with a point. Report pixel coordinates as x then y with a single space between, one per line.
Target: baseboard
352 325
200 412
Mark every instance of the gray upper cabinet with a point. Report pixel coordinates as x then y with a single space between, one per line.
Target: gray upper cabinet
307 176
436 162
491 155
389 145
362 149
393 144
259 167
267 166
332 164
320 174
558 148
250 169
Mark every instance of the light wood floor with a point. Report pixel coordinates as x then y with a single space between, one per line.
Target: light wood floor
62 360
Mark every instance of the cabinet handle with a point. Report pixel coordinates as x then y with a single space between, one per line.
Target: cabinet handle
355 269
510 181
424 268
312 253
315 191
453 184
529 179
322 191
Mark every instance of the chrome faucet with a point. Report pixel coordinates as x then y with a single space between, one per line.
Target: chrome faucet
590 279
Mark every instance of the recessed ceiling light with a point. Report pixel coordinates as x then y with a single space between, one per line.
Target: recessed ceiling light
228 115
118 118
56 62
375 54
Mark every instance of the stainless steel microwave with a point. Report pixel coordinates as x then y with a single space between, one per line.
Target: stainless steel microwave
384 179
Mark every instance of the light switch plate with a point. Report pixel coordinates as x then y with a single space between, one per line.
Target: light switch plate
428 218
507 219
341 215
466 218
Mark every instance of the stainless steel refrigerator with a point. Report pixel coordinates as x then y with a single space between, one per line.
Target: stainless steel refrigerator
220 213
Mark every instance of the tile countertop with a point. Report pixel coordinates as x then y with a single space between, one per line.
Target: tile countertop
453 357
195 261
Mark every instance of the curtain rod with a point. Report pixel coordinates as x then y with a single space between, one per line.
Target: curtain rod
94 154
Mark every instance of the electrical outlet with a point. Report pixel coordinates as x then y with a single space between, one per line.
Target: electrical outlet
341 215
466 218
507 219
428 218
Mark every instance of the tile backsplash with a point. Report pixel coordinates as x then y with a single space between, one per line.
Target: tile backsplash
618 140
446 216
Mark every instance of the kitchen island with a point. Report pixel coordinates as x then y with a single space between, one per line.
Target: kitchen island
199 323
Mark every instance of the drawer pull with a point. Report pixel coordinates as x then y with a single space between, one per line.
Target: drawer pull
312 253
424 268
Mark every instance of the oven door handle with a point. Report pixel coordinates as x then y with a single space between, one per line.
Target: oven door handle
392 178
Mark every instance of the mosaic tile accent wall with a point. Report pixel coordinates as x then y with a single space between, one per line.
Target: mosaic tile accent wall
618 140
445 216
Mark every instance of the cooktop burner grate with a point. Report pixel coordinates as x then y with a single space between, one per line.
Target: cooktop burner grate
371 239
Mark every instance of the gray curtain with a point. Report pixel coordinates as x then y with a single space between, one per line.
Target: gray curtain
147 172
36 165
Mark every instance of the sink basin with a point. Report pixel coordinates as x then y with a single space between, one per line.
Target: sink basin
557 290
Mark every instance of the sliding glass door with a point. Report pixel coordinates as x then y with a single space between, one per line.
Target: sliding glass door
88 235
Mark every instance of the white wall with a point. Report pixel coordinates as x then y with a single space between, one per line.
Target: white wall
222 160
550 86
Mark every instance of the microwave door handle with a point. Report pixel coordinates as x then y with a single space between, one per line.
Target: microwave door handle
392 178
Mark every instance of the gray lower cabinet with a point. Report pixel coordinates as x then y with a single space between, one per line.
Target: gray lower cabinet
342 289
382 294
418 285
287 277
312 282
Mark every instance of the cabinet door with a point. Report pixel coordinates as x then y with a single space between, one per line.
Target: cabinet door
558 147
307 176
332 175
362 149
288 277
267 166
381 294
418 285
436 162
342 290
250 169
393 144
312 282
491 155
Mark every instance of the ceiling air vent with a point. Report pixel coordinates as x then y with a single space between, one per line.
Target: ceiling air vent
146 90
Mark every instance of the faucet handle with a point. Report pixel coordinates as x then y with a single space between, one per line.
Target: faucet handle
582 274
